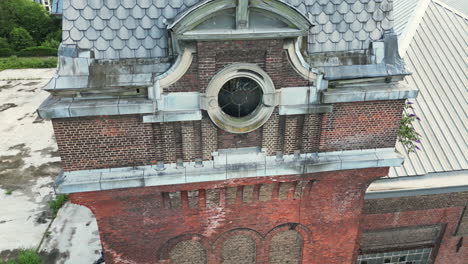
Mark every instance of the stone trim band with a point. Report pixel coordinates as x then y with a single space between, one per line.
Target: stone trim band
255 164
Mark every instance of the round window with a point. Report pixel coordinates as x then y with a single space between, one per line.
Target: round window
240 98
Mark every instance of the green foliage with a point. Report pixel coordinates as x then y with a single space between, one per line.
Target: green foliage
51 43
58 202
26 256
24 63
53 40
6 52
4 43
56 35
5 48
407 135
39 51
20 39
26 14
9 192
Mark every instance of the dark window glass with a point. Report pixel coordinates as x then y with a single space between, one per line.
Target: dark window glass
240 96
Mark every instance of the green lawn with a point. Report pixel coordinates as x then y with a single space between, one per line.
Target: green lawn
28 62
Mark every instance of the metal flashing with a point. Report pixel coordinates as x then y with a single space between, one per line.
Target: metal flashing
54 107
369 92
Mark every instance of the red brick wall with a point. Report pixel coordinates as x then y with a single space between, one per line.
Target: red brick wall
230 140
446 252
189 82
361 125
324 208
444 209
212 56
103 142
118 141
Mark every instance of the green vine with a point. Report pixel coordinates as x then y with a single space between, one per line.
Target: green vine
407 135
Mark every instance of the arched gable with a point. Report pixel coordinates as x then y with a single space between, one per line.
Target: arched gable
240 19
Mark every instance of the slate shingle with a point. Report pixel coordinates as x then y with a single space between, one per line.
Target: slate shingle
340 24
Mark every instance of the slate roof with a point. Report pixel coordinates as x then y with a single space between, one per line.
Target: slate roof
136 28
437 56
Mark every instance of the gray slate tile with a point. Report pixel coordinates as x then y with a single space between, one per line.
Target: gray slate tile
122 13
128 3
88 13
79 4
138 12
105 13
112 4
144 3
71 13
140 24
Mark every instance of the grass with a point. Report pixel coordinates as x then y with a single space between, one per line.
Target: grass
8 192
25 256
14 62
57 203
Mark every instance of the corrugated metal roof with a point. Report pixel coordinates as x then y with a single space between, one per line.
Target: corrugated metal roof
402 12
460 5
437 56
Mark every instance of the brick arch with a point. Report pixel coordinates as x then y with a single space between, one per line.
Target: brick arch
219 243
301 230
165 250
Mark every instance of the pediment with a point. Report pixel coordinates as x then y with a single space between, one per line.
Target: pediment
240 19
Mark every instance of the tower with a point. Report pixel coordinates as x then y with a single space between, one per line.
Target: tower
226 131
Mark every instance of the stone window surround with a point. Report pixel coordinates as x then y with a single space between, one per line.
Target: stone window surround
251 121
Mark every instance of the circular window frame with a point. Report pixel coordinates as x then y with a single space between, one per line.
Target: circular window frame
251 121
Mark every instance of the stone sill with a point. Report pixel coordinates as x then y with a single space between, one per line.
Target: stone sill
221 169
68 107
393 91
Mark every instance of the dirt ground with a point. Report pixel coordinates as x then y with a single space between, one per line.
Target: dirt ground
29 162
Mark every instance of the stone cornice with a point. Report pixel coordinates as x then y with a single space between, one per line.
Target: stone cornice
227 164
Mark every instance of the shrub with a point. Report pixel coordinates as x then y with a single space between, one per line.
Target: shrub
20 38
58 202
53 39
6 52
51 43
56 35
4 44
39 51
407 135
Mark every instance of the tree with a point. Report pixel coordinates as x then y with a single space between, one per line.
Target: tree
20 39
4 43
28 15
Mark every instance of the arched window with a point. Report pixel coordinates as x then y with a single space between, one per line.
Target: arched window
239 249
286 247
188 252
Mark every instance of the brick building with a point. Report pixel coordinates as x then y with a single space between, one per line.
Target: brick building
241 131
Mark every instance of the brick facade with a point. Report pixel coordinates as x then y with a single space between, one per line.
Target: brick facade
361 125
212 56
103 142
309 215
129 142
446 210
314 218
